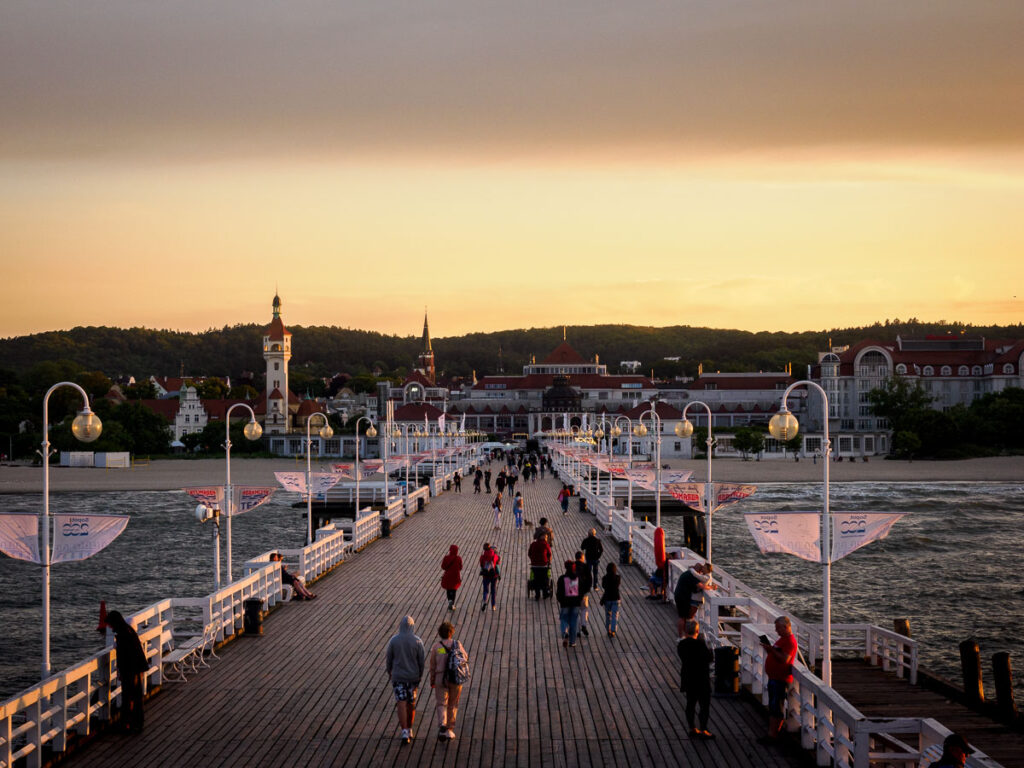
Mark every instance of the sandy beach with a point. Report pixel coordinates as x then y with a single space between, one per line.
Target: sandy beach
171 474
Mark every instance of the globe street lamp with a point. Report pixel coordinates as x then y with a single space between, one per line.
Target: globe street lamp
371 433
784 426
685 429
86 428
617 432
325 434
252 431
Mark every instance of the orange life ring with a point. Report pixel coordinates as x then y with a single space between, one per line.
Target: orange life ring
659 547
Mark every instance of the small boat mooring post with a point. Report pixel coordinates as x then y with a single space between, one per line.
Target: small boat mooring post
1003 676
970 664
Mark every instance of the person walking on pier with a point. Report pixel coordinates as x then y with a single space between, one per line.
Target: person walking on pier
444 679
496 509
610 598
489 574
487 481
586 584
540 565
500 481
131 668
593 549
452 578
477 479
563 498
695 660
778 665
568 595
405 657
458 482
517 510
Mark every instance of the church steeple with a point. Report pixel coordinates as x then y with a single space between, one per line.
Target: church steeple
426 333
426 357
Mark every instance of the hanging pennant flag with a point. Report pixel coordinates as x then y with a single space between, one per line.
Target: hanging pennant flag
642 477
462 423
76 537
797 533
440 423
248 497
295 482
344 471
292 481
852 530
690 494
370 468
676 476
727 493
396 464
19 536
211 497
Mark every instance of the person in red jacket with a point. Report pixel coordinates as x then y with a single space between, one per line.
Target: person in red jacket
540 565
778 666
452 578
490 574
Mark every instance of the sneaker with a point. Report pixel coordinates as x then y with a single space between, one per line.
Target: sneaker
451 734
706 734
442 735
565 642
405 736
494 607
584 631
695 733
483 607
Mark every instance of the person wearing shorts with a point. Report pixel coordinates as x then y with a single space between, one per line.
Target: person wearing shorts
405 657
778 666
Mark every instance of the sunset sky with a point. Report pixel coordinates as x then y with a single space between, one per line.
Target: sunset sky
760 165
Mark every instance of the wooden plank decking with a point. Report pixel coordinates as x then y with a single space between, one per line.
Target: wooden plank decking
313 691
879 694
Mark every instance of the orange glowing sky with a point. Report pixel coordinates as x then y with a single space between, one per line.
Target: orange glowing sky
777 166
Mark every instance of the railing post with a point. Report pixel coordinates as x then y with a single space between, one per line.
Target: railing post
970 665
1003 676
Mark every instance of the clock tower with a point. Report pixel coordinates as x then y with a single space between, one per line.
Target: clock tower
277 351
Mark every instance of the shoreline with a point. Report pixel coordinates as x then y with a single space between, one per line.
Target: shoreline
173 474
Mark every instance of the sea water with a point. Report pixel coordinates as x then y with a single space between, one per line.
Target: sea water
952 566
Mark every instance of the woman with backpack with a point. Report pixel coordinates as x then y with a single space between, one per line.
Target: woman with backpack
449 670
489 574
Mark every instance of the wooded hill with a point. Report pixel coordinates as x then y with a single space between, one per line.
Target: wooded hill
323 351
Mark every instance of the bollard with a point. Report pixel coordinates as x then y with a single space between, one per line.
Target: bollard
385 527
252 619
901 627
625 553
970 664
583 504
421 504
727 671
1003 677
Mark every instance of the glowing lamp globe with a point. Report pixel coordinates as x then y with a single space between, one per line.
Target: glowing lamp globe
616 431
371 432
640 430
783 426
599 433
684 428
86 426
326 432
252 430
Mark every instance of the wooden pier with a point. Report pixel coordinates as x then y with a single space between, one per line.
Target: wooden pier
312 690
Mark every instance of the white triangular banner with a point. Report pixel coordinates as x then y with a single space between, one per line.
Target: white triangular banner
852 530
248 497
796 533
76 537
211 497
19 536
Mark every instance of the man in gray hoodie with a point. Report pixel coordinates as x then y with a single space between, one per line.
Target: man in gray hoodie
405 658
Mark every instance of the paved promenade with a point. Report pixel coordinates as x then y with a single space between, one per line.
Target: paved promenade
313 691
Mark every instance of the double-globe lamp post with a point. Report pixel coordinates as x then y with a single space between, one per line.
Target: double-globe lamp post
685 429
252 431
784 426
86 427
371 433
325 433
640 431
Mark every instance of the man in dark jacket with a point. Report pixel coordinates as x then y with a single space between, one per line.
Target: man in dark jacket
540 564
593 549
568 594
131 668
586 584
694 678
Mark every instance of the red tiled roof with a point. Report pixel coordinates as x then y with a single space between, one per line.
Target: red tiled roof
166 408
416 412
276 395
564 354
276 330
417 377
309 407
216 409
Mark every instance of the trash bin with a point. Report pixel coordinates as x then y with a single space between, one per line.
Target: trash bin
583 504
421 504
625 553
727 671
385 527
447 485
252 619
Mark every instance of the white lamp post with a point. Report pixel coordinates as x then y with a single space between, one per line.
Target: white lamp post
617 432
371 433
640 431
685 429
252 431
86 427
325 433
784 426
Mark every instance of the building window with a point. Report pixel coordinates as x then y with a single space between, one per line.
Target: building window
277 366
963 370
976 370
946 371
901 369
929 371
1008 368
